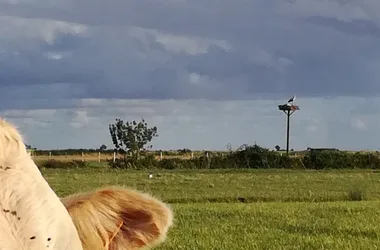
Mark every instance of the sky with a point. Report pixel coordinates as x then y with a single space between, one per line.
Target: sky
206 73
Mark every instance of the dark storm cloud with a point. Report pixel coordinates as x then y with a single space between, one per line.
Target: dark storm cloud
179 49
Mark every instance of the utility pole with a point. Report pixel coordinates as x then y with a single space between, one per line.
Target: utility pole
288 109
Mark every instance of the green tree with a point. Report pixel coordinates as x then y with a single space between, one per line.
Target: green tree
131 137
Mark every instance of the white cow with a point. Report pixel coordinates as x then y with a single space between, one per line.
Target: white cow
32 217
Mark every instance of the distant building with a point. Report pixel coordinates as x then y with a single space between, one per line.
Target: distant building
322 149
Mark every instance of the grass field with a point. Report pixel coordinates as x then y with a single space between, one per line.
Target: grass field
282 209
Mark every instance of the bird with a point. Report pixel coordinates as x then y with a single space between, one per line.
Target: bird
291 100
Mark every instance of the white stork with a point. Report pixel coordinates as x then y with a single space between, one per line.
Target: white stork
291 100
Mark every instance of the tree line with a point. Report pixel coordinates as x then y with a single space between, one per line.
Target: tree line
133 139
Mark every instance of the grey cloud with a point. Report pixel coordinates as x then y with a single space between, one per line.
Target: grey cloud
193 15
208 124
270 53
354 27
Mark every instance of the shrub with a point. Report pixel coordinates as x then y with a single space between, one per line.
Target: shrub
61 164
340 160
246 157
176 163
128 163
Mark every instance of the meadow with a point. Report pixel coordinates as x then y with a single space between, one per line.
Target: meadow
251 209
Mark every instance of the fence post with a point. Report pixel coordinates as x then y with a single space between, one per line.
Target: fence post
160 155
114 157
192 155
82 156
99 157
49 155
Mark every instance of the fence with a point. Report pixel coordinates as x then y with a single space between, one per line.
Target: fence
103 157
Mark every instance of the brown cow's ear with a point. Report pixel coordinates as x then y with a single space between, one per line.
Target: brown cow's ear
116 218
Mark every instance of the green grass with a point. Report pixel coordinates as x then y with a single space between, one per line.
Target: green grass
189 186
337 225
283 209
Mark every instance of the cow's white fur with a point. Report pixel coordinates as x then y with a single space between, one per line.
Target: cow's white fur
32 217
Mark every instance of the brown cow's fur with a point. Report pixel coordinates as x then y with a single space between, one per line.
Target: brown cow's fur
116 218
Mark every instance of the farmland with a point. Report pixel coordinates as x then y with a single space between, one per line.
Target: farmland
251 209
